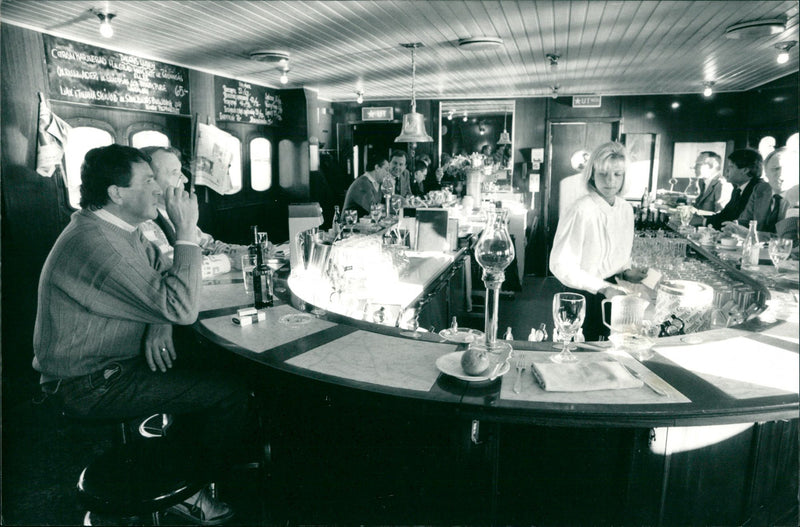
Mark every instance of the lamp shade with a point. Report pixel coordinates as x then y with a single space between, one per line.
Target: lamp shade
413 129
505 138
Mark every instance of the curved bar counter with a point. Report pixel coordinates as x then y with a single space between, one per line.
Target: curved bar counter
733 392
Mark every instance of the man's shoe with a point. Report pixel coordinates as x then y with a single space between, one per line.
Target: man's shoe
202 509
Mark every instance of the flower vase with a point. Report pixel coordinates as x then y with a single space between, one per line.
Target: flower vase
474 182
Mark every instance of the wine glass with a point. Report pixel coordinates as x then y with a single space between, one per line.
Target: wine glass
569 309
387 189
672 182
692 191
375 212
397 204
779 250
350 217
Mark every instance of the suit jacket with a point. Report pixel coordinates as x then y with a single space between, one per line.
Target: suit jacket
715 196
752 204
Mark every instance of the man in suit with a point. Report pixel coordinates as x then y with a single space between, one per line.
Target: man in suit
716 192
402 177
166 165
751 196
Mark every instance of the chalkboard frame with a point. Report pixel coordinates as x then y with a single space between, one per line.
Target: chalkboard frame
88 75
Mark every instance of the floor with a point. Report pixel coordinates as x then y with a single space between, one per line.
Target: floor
42 460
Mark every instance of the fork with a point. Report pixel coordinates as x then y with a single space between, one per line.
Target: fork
520 365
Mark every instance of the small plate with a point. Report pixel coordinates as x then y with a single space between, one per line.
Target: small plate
450 364
721 247
461 335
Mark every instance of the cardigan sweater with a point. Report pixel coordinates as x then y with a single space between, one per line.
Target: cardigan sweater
100 288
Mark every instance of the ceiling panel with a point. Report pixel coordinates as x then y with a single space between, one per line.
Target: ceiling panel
339 47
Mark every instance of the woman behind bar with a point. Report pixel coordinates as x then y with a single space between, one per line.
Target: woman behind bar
593 240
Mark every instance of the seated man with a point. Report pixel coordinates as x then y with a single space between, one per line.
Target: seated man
103 334
166 166
716 192
365 191
751 196
402 178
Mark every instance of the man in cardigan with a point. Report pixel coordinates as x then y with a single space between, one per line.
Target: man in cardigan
716 191
103 334
166 165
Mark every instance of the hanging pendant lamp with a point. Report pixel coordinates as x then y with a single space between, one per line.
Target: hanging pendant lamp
505 138
413 123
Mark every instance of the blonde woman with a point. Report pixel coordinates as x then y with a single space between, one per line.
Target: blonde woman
593 241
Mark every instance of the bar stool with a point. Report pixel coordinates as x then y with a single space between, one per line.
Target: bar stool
141 475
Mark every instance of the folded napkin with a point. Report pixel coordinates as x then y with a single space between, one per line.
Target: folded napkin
583 376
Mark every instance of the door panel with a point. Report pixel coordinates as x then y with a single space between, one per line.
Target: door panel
565 139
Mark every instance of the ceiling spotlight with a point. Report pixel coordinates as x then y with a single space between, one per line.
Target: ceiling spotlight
465 116
105 22
675 105
707 88
784 47
554 94
553 58
450 115
284 78
360 97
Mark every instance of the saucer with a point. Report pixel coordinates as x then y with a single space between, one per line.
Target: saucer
461 335
450 364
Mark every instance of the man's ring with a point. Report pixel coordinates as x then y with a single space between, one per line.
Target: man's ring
163 350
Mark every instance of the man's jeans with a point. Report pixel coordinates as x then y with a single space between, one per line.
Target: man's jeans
213 403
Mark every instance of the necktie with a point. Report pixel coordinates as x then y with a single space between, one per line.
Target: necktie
772 216
169 231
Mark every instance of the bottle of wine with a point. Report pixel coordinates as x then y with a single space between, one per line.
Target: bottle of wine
751 248
262 294
336 222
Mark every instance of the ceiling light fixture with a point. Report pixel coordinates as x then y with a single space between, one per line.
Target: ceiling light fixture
413 123
284 78
707 91
270 55
553 58
675 105
554 94
360 98
505 139
784 47
753 29
465 116
105 22
478 43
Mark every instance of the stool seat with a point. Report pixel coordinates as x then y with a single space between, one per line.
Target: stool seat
139 478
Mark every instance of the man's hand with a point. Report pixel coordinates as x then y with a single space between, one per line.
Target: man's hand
183 212
158 347
733 228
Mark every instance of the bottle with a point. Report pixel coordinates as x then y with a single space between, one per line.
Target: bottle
543 331
534 336
508 335
336 222
751 248
262 294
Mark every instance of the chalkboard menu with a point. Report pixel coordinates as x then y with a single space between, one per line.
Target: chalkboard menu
87 74
242 102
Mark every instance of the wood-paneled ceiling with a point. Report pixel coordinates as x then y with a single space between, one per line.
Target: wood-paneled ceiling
339 47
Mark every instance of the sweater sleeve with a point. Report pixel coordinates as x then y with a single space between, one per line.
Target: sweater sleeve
120 277
574 234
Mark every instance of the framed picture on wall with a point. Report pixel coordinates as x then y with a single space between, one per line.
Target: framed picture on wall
684 157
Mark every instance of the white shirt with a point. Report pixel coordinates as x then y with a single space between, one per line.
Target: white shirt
570 190
593 241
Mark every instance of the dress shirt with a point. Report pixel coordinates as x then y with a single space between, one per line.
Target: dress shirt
570 190
593 242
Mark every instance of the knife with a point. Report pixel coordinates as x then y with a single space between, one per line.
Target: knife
639 376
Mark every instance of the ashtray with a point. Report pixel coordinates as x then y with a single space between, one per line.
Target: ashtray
295 319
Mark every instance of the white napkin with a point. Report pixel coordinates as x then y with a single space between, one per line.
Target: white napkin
583 376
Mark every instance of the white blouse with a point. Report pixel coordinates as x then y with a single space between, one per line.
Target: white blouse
593 241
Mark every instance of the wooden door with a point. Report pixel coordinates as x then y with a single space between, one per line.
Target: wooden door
564 139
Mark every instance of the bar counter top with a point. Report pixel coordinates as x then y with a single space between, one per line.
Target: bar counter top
735 375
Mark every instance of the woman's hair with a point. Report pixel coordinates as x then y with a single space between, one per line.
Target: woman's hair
601 158
106 166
